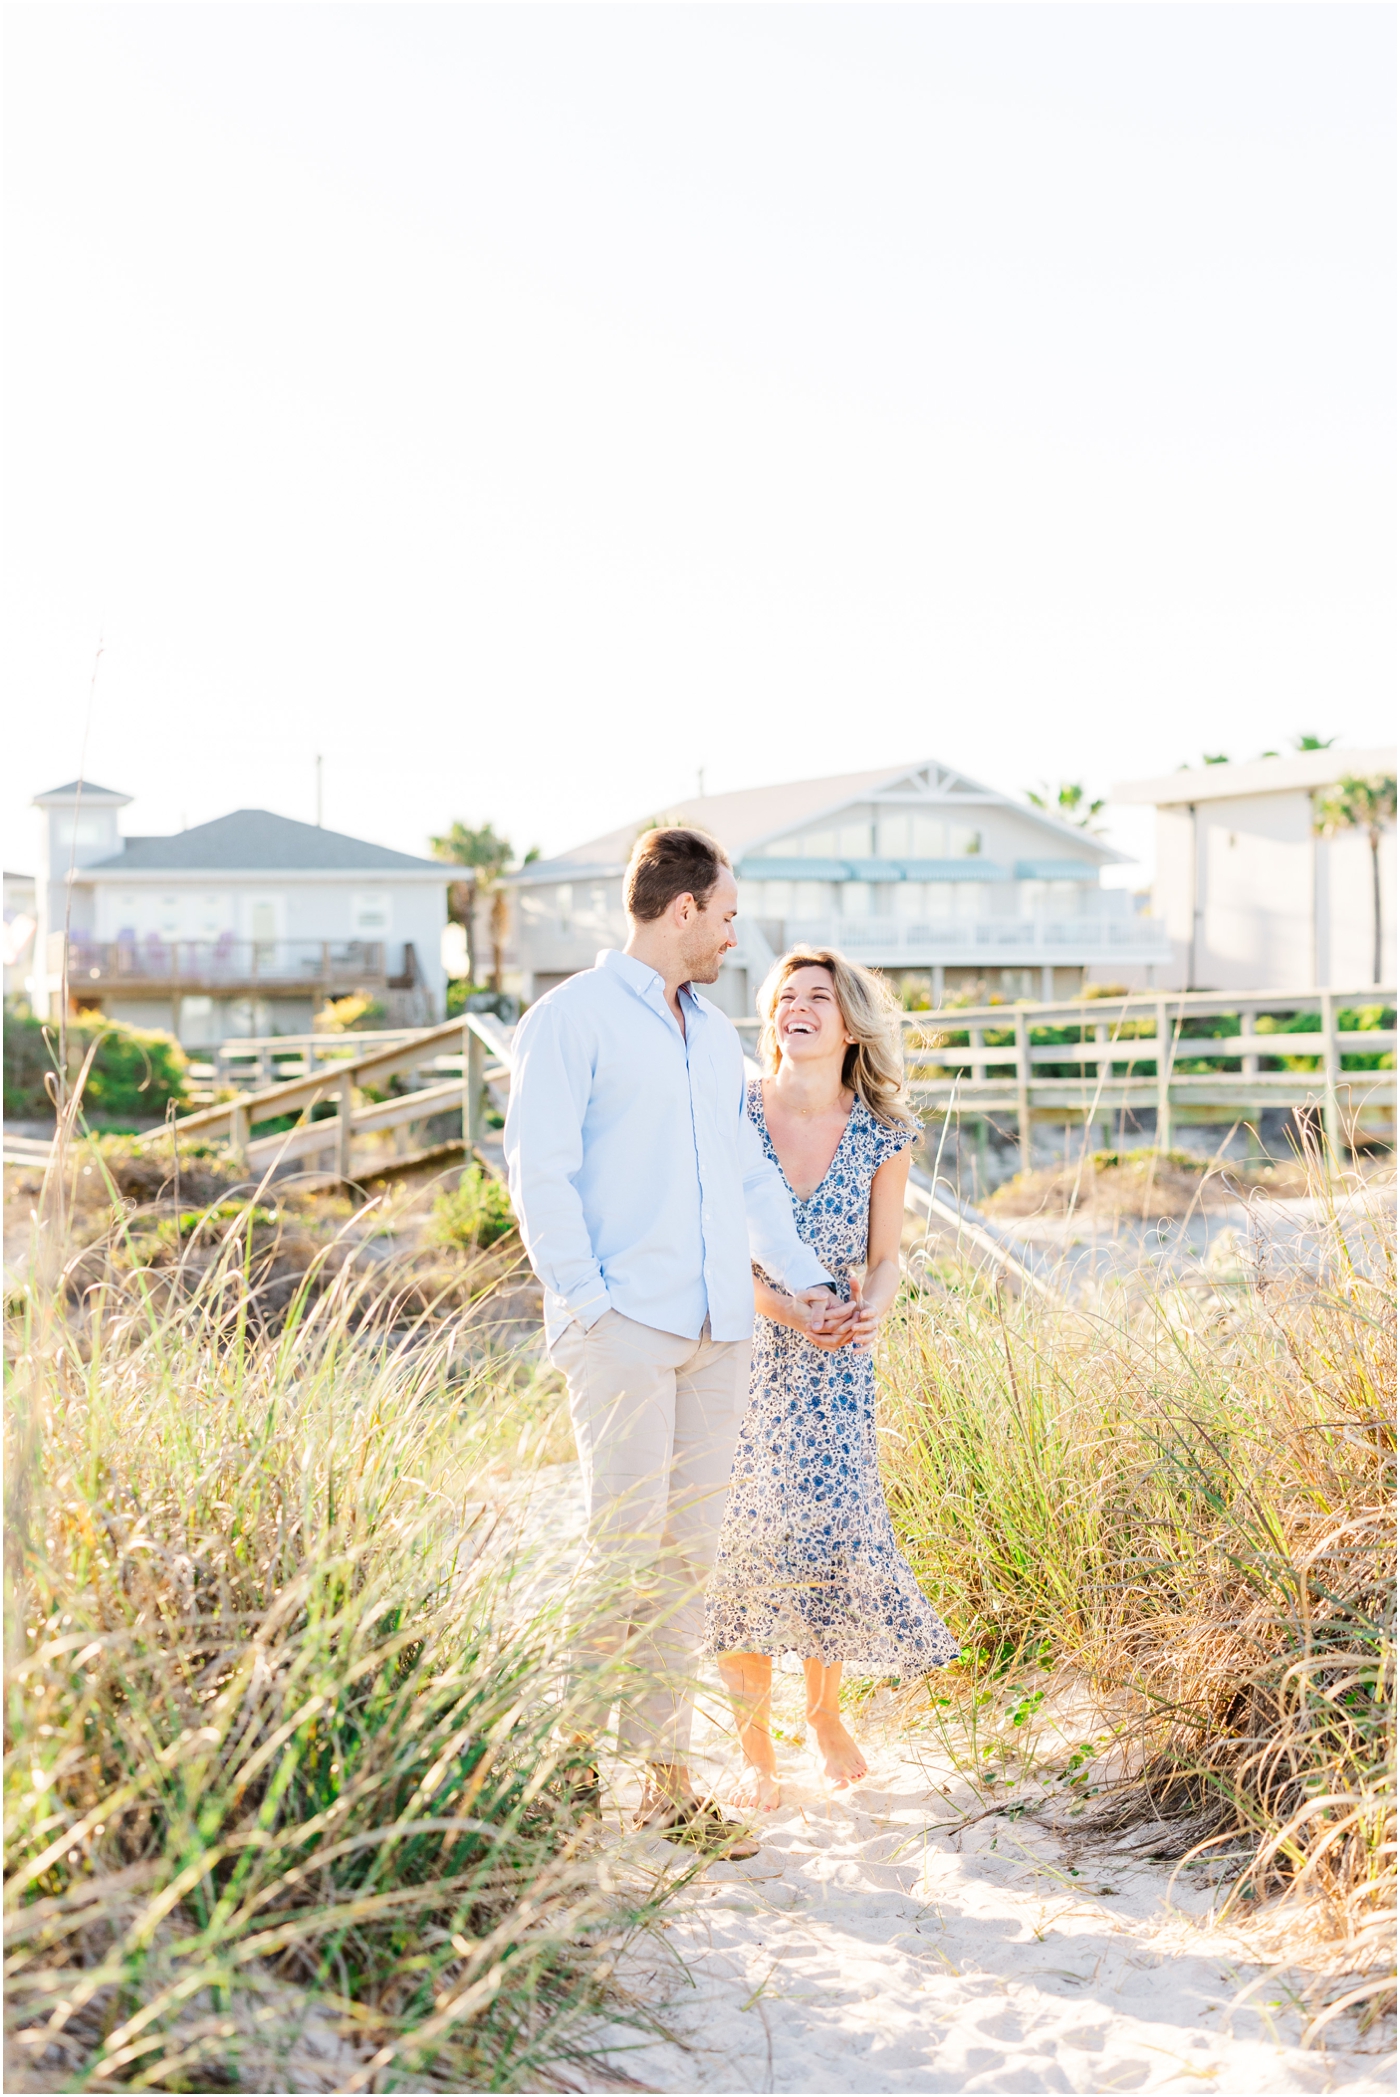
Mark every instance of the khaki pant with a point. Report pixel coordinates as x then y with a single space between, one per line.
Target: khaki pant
656 1418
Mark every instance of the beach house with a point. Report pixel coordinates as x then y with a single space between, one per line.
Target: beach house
241 926
945 884
1253 896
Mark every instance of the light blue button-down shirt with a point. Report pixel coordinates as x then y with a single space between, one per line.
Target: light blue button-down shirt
639 1182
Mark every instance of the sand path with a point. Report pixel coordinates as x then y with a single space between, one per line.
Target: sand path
867 1950
873 1945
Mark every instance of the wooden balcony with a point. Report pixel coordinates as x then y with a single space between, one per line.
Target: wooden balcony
230 967
891 942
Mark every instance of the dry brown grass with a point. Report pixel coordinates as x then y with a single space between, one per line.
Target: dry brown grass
1142 1185
1189 1505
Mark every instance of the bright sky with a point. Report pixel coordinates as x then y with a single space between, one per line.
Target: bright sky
527 407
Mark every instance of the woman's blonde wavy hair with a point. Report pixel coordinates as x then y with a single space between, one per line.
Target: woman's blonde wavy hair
874 1065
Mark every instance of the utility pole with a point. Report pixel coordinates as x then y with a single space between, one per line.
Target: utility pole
318 793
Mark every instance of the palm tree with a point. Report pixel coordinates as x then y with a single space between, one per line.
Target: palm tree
1068 803
1361 804
486 855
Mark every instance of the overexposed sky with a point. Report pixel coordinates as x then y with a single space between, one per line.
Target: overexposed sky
528 406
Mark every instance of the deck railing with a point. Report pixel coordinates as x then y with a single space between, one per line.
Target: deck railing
220 964
1001 941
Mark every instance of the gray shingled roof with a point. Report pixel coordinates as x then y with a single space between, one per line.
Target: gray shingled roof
253 840
87 788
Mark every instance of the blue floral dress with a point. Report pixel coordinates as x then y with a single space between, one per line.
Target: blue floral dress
807 1562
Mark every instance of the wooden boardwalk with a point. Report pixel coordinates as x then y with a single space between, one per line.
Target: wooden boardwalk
1131 1057
1143 1056
454 1067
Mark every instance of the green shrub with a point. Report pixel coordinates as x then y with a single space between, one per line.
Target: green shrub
358 1010
477 1213
136 1071
458 991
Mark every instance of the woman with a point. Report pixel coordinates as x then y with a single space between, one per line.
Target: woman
807 1561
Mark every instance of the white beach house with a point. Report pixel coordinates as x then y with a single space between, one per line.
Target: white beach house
1252 897
242 926
943 883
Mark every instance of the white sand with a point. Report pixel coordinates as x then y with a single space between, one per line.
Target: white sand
865 1949
872 1947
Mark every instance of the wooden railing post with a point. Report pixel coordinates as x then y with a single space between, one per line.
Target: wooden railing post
345 1093
1166 1046
476 1068
473 1085
1023 1090
1249 1062
238 1133
1331 1071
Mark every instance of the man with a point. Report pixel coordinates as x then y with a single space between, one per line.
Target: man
644 1194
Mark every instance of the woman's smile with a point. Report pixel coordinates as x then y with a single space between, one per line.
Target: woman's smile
807 1011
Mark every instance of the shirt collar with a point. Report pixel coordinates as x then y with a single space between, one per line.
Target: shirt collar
646 981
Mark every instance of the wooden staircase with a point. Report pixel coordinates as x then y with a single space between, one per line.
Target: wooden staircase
347 1144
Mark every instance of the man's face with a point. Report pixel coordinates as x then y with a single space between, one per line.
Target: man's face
709 932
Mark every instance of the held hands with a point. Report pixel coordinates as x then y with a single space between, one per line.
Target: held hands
825 1322
865 1326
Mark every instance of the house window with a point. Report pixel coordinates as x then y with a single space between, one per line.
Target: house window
264 922
371 913
212 915
961 840
856 899
854 841
811 898
915 836
94 829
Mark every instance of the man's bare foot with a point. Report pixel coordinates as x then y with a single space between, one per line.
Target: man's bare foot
757 1790
842 1761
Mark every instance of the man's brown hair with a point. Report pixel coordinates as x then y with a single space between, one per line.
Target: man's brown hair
670 863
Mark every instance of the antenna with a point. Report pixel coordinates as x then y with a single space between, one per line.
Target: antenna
318 792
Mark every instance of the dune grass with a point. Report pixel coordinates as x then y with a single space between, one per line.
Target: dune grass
288 1799
1186 1502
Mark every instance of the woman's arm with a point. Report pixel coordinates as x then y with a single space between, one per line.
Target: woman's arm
881 1283
799 1315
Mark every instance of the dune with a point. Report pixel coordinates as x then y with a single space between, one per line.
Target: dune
871 1947
885 1940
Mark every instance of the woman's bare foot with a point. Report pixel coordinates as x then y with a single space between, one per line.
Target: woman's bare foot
842 1761
757 1791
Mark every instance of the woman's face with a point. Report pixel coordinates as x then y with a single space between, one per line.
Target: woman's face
807 1019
